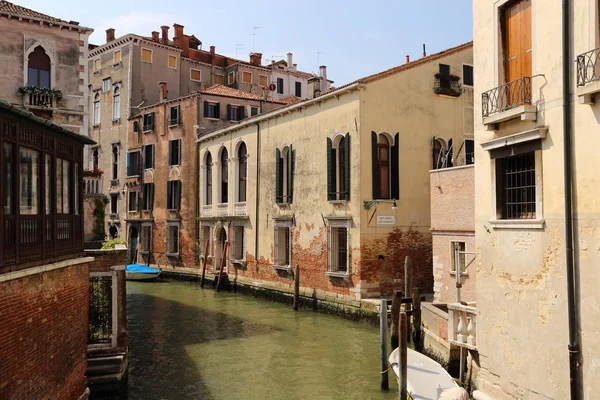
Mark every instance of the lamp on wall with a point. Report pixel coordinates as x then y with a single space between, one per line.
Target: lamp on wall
394 205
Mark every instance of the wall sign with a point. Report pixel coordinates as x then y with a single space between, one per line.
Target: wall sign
386 220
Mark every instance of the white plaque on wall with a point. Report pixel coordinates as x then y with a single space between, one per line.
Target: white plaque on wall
386 220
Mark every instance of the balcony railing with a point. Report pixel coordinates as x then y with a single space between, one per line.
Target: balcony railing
92 185
507 96
588 67
207 211
222 209
448 85
239 208
41 99
462 325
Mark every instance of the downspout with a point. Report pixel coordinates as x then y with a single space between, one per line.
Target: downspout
574 352
256 201
198 245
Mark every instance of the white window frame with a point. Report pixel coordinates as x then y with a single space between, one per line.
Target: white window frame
116 115
237 108
246 72
151 55
280 223
332 223
106 85
97 64
452 268
195 80
169 58
235 240
171 224
230 77
115 56
463 74
257 111
111 197
129 200
97 111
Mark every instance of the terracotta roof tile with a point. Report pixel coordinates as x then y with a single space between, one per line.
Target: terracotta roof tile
220 90
8 8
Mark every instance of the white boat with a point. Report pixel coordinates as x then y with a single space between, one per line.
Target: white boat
426 379
140 272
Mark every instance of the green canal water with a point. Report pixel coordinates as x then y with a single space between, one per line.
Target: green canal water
192 343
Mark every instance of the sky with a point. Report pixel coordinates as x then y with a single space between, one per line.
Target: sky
353 38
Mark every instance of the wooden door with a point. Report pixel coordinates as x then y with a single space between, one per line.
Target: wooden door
517 50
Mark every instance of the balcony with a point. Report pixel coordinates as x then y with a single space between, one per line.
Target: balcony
92 185
39 97
222 209
239 209
588 76
447 85
462 325
206 211
509 101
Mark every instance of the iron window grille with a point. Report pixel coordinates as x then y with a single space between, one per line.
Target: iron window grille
100 310
516 187
338 249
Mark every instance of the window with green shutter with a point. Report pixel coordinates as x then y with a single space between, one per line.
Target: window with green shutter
385 166
284 175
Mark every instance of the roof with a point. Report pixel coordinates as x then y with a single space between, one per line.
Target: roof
43 121
7 8
220 90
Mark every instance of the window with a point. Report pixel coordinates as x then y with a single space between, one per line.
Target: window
173 239
438 153
235 113
38 68
97 109
239 249
174 115
444 76
338 168
283 248
516 187
148 124
242 171
149 156
116 104
211 110
263 80
95 159
467 75
195 75
133 163
134 200
284 174
76 202
385 166
458 256
172 62
148 197
280 85
173 195
48 189
29 168
63 203
298 89
147 55
469 151
8 180
146 238
338 256
230 78
114 200
117 57
97 65
253 111
219 79
208 189
106 83
517 39
175 152
224 176
246 77
115 162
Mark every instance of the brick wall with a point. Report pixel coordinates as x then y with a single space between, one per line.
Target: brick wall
43 334
104 259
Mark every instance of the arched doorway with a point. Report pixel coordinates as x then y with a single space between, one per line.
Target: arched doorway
220 239
133 244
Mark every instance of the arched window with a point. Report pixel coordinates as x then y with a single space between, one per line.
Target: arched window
116 103
449 155
385 166
97 109
38 68
284 175
242 172
224 176
115 162
437 153
338 168
209 185
95 159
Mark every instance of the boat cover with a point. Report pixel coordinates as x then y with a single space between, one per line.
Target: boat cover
141 269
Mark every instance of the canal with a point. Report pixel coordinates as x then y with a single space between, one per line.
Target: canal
192 343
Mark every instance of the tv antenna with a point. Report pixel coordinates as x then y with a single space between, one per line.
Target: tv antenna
253 34
238 46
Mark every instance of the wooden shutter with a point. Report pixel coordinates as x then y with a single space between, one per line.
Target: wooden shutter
169 195
152 121
517 40
178 151
218 110
136 126
330 171
241 112
346 171
276 246
229 112
170 152
206 109
177 195
151 197
374 165
395 168
278 178
290 171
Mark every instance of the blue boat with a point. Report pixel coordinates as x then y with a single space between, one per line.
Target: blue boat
140 272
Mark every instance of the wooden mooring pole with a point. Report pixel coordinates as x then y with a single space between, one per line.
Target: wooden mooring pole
408 288
296 287
205 260
403 366
223 261
385 384
396 301
417 320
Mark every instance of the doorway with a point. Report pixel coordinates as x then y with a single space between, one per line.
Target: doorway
220 239
133 244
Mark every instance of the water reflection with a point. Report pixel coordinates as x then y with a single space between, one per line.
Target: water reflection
188 343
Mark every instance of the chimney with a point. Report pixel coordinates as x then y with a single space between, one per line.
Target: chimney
182 41
314 87
163 91
178 31
407 58
290 61
324 82
165 34
255 58
212 55
110 35
424 52
155 36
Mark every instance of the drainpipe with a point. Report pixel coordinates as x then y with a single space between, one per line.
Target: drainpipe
256 201
574 352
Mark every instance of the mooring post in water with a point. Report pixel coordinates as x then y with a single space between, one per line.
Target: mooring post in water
385 384
417 320
296 287
408 287
204 261
223 261
403 352
396 301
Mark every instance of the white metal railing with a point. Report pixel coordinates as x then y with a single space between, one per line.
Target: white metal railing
462 325
222 209
207 211
239 208
92 185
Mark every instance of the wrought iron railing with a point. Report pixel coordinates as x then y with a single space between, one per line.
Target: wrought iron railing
100 310
448 85
588 67
507 96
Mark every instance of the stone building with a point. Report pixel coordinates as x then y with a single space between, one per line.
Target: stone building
123 74
536 209
337 184
162 168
